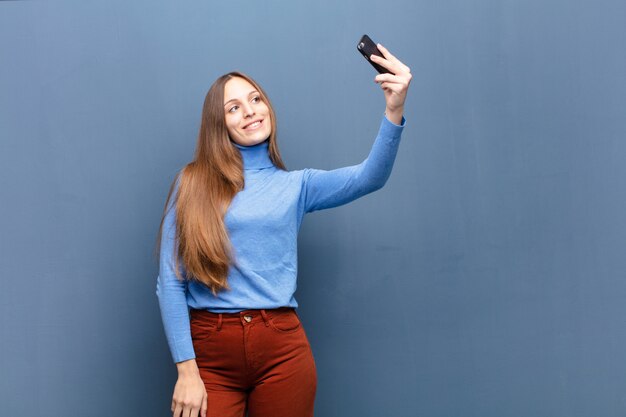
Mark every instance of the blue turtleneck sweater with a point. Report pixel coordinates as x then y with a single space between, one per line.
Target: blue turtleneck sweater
262 222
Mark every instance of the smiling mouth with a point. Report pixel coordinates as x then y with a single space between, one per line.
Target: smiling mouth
254 125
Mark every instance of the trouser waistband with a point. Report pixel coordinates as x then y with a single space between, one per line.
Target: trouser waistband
245 317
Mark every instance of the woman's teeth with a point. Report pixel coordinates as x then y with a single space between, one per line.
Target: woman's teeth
253 126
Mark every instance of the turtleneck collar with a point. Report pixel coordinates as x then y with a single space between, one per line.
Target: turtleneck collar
255 156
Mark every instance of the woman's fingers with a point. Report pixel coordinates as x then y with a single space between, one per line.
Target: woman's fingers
179 409
389 77
395 87
389 61
396 84
383 62
204 406
389 56
385 52
401 81
190 397
395 67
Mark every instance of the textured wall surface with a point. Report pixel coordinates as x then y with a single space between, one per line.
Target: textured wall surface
485 279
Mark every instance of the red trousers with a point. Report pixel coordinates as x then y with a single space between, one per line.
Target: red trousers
254 361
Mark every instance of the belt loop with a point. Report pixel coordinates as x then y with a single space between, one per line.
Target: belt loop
219 321
265 319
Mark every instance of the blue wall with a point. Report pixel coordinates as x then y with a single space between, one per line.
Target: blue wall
485 279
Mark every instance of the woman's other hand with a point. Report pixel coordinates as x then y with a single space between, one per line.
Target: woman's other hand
190 397
394 85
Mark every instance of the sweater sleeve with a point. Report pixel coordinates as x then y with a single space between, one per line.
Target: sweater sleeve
326 189
171 293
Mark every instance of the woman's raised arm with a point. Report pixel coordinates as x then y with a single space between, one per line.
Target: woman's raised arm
325 189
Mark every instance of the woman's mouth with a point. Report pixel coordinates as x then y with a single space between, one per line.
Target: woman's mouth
254 126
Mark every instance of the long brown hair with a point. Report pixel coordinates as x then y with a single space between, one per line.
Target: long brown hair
206 187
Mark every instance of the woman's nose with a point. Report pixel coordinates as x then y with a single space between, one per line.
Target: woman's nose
248 110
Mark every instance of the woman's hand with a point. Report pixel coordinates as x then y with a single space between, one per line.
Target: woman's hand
190 396
394 85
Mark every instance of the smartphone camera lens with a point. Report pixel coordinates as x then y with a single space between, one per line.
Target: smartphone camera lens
361 45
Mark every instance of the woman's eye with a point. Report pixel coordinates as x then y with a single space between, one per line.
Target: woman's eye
257 98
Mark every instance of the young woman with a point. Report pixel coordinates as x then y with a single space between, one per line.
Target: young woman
228 252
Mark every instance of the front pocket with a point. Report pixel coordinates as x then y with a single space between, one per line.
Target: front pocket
285 323
202 331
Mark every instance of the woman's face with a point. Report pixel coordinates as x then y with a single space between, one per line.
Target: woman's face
243 106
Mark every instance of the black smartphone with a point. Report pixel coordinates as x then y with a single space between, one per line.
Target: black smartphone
367 47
